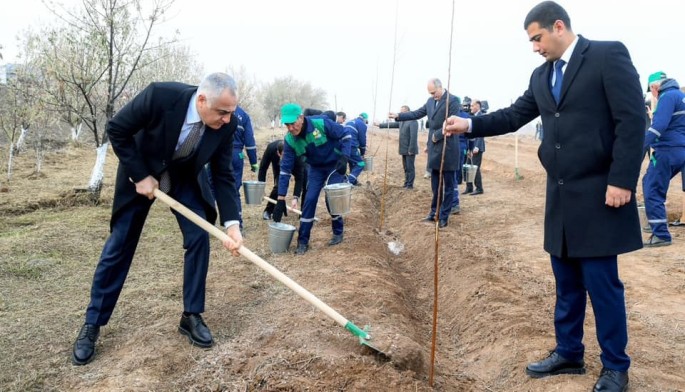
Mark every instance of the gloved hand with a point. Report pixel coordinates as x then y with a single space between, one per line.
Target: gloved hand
255 167
241 155
279 211
341 166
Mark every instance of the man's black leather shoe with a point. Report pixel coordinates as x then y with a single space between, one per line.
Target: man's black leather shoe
337 238
196 330
84 346
301 249
554 364
611 381
443 223
429 219
476 192
467 191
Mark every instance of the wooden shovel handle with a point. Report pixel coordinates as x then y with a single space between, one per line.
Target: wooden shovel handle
272 201
248 254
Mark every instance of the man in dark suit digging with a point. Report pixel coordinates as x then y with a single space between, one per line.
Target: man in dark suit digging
163 138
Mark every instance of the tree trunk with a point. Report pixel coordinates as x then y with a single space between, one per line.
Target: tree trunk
9 162
95 184
21 142
76 132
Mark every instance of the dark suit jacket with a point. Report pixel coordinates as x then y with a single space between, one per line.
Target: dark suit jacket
436 117
144 134
593 138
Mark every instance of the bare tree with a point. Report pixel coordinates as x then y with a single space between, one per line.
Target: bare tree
288 89
95 54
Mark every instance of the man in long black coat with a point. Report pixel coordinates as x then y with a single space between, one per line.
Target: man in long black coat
589 97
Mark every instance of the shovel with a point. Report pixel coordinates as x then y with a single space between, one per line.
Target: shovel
295 210
362 334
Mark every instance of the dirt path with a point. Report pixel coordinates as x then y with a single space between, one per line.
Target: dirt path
495 303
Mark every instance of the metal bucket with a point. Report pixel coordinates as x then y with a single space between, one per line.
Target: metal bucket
339 198
644 222
368 164
254 191
280 236
469 172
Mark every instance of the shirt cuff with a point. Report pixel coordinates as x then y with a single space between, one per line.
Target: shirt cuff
470 125
230 223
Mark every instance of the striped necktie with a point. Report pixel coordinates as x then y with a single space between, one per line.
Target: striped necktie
183 151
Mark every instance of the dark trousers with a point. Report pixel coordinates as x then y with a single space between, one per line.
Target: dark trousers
597 277
478 181
273 195
315 182
117 254
668 162
446 196
409 171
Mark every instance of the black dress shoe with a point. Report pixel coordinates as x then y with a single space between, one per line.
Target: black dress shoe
84 346
467 191
554 364
196 330
611 381
429 219
476 192
335 240
301 249
443 223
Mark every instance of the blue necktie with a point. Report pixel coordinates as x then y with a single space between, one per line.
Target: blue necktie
558 79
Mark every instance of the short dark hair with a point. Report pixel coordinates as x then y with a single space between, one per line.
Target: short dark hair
545 14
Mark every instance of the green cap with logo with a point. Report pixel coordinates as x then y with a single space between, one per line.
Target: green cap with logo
364 116
655 77
290 112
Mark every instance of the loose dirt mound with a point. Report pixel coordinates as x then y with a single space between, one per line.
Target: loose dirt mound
495 302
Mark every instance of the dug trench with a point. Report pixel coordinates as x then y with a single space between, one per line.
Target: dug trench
495 302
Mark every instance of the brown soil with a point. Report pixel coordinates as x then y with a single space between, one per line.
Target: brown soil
495 301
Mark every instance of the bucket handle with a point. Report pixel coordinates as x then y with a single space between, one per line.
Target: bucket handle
329 176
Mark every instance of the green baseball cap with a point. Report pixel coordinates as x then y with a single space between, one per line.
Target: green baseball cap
655 77
290 112
364 116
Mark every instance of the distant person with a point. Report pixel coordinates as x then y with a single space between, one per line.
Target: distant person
476 151
340 117
408 145
163 139
435 109
272 157
357 128
590 210
666 137
539 131
243 140
326 146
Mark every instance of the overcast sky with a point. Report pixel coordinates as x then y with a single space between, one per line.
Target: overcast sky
346 47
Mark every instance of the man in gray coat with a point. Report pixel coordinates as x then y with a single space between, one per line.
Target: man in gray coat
435 110
409 145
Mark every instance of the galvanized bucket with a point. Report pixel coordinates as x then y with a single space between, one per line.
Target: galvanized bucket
254 191
368 164
644 222
469 172
338 197
280 236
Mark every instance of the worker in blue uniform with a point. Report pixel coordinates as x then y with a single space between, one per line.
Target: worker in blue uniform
666 137
325 145
357 129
